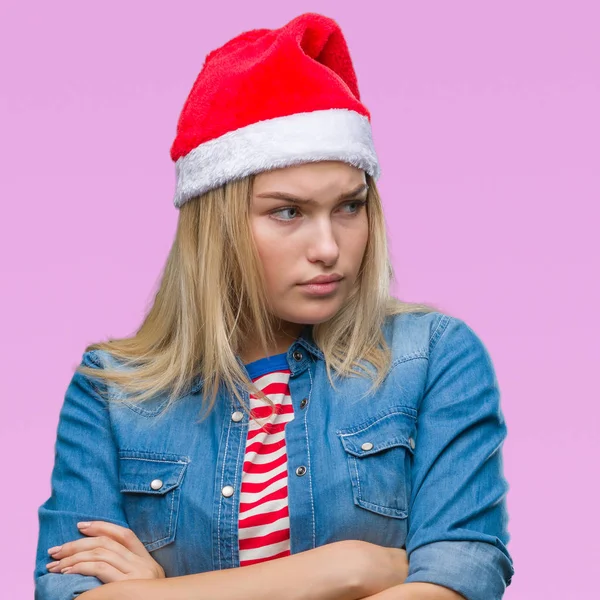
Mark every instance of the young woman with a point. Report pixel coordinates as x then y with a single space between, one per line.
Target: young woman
279 426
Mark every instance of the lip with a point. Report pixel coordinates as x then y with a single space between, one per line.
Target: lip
323 279
321 289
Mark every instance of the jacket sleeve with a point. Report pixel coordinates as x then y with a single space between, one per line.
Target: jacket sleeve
457 529
84 482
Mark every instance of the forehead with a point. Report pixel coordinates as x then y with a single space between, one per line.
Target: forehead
318 179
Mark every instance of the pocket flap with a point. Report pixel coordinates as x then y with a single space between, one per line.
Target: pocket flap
396 428
150 475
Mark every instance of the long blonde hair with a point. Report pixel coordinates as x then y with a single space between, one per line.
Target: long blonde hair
211 300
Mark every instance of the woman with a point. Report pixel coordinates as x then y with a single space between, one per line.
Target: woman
279 426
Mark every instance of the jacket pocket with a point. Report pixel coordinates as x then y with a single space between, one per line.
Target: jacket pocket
379 454
150 484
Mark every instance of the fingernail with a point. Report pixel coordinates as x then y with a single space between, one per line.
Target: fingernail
54 550
83 524
52 564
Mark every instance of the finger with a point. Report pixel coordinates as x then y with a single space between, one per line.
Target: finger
89 543
122 535
117 561
104 572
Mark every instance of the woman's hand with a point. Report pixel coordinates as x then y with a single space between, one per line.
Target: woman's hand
113 553
382 567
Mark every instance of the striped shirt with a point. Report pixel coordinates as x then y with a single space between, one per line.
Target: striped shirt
264 525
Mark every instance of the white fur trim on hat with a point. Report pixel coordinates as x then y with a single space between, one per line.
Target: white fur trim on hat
332 134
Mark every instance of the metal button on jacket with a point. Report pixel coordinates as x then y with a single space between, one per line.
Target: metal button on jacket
367 446
303 402
156 484
300 471
411 442
227 491
237 416
297 355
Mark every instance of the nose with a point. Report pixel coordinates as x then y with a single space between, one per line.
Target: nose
323 246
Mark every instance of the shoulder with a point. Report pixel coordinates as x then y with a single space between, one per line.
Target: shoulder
93 359
426 334
414 332
99 359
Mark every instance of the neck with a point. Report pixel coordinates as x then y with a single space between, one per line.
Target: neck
285 335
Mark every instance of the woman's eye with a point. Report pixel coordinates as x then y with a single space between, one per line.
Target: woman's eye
358 204
283 210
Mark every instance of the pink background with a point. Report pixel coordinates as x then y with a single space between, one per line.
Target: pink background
486 121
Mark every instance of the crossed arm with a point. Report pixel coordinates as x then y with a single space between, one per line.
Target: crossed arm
195 590
350 570
343 570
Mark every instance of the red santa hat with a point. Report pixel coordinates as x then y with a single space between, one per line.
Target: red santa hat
271 98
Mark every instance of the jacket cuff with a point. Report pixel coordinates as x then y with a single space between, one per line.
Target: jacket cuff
477 570
64 586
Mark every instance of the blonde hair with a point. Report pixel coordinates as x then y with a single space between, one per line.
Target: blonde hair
211 300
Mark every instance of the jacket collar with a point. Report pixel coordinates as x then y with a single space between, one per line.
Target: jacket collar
304 339
307 341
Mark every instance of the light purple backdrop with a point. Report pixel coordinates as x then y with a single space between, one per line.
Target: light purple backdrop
486 120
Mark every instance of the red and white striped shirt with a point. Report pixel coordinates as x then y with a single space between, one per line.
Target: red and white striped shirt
264 525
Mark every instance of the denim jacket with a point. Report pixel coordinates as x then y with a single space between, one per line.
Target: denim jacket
417 465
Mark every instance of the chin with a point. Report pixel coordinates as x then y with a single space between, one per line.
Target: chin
312 313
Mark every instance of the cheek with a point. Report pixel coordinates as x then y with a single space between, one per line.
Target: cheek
275 255
355 248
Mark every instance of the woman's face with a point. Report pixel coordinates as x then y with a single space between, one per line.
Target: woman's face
318 233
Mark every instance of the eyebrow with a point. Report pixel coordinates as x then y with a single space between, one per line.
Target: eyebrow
291 198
